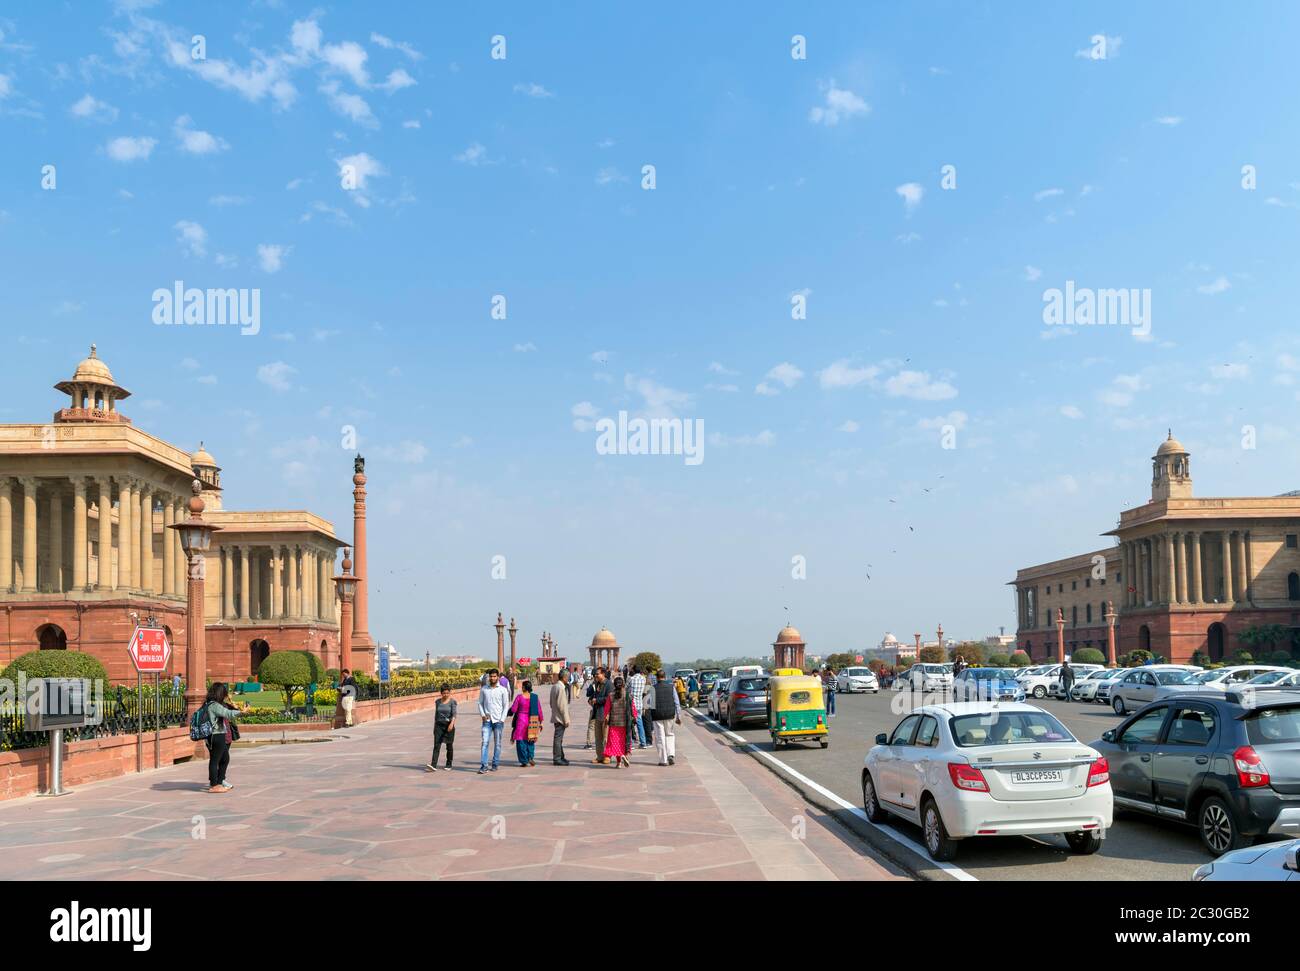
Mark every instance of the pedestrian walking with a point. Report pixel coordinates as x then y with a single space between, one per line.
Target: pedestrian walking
222 720
692 691
597 695
647 708
559 716
1067 679
619 719
444 727
958 666
176 684
667 713
493 703
526 724
636 695
347 696
830 687
679 686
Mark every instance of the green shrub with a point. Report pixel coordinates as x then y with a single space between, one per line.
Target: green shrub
56 664
1088 655
293 669
1018 659
999 661
1280 658
1243 656
1200 659
266 716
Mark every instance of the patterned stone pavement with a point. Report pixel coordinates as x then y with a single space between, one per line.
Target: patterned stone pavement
362 807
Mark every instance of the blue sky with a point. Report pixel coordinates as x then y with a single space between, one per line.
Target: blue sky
775 176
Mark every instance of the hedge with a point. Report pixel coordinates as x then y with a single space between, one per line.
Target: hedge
1088 655
56 664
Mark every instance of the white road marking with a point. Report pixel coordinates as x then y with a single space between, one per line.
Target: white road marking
952 870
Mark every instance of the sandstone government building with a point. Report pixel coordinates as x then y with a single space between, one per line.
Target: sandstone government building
85 552
1185 574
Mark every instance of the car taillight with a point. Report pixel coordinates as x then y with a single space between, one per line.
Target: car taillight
783 721
1251 773
819 719
1099 772
967 777
739 694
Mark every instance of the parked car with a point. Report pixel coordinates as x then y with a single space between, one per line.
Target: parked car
1139 686
1219 680
683 673
987 684
706 677
924 677
1277 862
1230 769
1080 671
1285 678
967 769
1104 689
1046 680
1085 689
856 679
756 669
716 695
744 700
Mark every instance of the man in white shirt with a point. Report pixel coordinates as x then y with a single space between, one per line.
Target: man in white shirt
493 703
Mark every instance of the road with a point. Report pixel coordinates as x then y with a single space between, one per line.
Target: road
1135 848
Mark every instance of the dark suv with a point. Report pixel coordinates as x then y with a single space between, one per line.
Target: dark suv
746 699
1229 766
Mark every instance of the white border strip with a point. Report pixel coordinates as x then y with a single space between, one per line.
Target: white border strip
949 868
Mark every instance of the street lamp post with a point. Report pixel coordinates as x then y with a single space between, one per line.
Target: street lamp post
196 538
346 589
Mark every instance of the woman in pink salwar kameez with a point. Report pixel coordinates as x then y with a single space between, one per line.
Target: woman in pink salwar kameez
618 724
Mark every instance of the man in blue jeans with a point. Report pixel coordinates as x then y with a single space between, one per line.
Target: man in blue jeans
493 702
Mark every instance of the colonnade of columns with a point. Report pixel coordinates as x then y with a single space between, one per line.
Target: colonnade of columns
605 657
276 582
51 552
1188 567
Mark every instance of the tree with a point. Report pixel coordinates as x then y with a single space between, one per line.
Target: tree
878 667
973 652
292 669
1018 659
932 655
647 661
905 662
1087 655
55 664
1264 636
999 661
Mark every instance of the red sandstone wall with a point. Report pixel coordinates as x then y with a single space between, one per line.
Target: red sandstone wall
26 771
366 711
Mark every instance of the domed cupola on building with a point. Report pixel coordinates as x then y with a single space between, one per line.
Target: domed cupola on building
94 393
1171 471
208 473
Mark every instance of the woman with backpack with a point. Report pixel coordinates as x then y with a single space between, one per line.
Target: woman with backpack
221 721
527 724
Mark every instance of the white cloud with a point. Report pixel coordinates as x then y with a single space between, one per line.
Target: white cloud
1123 389
840 104
660 400
194 141
1032 273
765 389
526 348
1219 285
6 86
1042 194
349 105
917 385
127 149
397 80
762 440
911 193
277 376
193 238
228 200
841 374
957 419
347 58
359 167
717 368
476 154
1071 411
411 123
405 452
584 416
270 256
91 108
1170 121
533 90
389 44
785 373
609 174
849 426
1106 51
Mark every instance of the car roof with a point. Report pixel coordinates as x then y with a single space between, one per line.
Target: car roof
974 708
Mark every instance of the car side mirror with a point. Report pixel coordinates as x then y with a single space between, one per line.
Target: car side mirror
882 739
1293 864
1108 736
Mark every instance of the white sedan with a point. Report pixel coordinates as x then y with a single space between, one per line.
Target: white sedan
856 679
924 677
1217 681
969 769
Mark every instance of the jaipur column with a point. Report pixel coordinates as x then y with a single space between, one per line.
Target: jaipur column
104 502
6 533
168 548
80 548
361 640
124 536
29 534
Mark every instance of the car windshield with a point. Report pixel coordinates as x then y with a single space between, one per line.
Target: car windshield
1274 726
1175 677
1008 728
934 668
985 674
1269 677
1205 677
857 672
752 684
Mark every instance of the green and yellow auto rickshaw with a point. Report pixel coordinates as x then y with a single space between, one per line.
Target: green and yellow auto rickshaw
796 708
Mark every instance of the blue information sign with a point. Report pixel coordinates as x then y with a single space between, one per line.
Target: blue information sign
383 665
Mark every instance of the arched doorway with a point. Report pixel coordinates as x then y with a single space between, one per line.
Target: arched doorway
52 638
1216 637
1144 638
1293 586
257 653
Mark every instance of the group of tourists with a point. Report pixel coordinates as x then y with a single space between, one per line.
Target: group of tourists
622 711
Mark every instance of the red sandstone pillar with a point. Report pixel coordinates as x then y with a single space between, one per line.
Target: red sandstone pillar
1060 635
361 639
1110 634
501 647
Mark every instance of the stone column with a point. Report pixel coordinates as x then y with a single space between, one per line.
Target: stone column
1238 569
146 538
227 583
1227 567
277 591
1167 563
1141 572
168 548
105 507
137 548
255 583
80 549
1248 572
323 585
295 601
244 586
179 578
29 533
124 536
6 534
311 581
1180 561
1194 562
54 582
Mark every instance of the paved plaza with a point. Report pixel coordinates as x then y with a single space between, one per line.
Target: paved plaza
362 807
